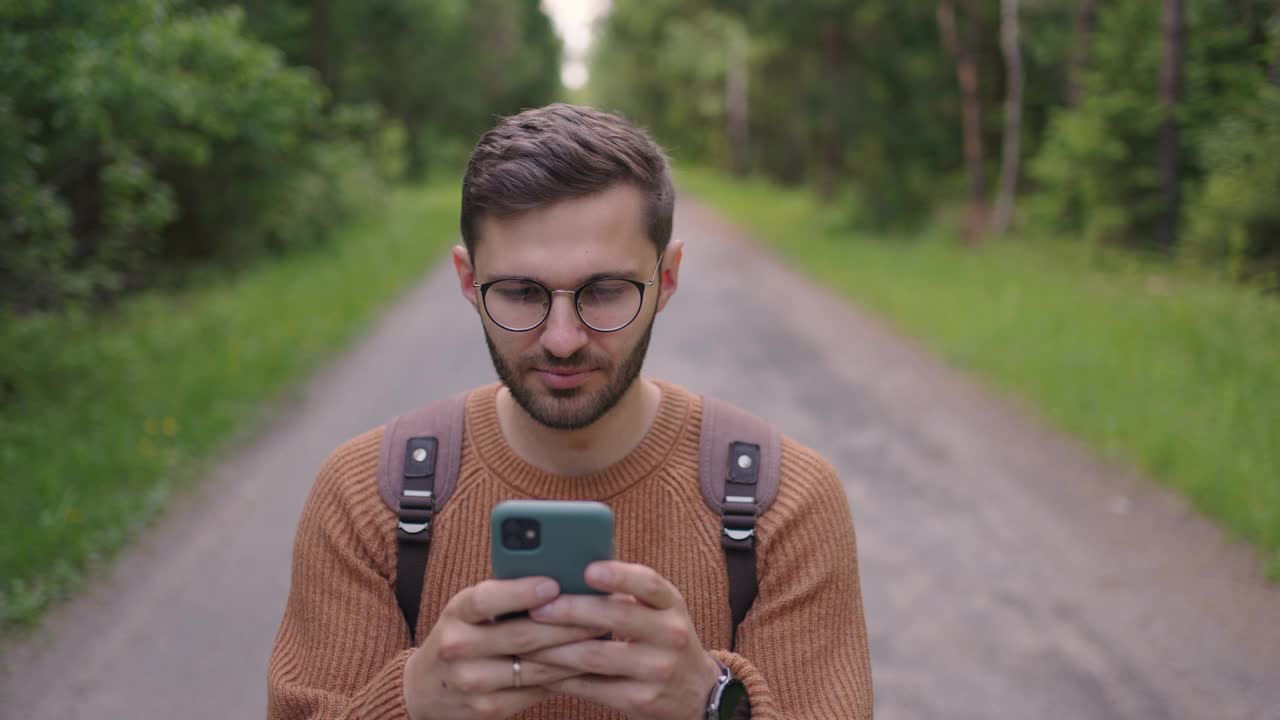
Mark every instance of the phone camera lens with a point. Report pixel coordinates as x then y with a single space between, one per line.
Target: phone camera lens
520 533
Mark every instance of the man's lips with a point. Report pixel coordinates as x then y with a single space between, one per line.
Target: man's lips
563 379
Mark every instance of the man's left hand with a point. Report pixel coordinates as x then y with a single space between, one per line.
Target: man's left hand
656 669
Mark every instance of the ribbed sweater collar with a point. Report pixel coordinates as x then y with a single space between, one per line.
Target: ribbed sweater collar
485 435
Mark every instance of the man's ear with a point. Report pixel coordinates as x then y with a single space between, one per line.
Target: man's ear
669 276
466 276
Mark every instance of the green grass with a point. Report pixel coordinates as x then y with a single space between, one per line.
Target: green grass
105 416
1155 365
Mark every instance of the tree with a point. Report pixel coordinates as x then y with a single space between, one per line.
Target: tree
1173 24
961 50
1009 41
1275 48
736 100
1080 37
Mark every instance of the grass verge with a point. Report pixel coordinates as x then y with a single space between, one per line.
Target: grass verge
1158 366
102 417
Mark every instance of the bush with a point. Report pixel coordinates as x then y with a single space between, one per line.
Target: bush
1234 221
137 138
1097 166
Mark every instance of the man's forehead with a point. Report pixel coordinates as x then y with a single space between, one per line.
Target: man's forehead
571 240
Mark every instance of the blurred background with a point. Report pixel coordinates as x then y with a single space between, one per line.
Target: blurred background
204 201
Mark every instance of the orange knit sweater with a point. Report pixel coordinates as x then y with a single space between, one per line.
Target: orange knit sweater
802 652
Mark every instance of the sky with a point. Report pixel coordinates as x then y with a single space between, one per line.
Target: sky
573 19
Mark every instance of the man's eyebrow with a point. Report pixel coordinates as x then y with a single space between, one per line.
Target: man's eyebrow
590 278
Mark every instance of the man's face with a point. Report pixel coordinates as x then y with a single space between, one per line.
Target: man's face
562 373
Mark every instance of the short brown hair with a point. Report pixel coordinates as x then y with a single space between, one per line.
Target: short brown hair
559 152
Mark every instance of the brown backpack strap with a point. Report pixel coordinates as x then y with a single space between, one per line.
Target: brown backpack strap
740 466
417 473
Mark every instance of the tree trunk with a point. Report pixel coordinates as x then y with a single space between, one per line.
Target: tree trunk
957 43
1009 42
1086 13
736 94
831 125
1275 61
1174 30
321 44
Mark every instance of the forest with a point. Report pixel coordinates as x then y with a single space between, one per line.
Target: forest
1145 124
142 141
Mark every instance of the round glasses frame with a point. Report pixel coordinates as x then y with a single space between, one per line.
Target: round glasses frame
576 293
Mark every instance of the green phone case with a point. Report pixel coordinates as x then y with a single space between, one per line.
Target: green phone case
571 536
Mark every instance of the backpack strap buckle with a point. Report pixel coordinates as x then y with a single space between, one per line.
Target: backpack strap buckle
418 492
738 522
417 509
739 510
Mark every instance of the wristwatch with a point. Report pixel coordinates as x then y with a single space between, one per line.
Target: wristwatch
726 695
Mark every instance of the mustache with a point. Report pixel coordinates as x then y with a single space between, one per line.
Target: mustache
574 361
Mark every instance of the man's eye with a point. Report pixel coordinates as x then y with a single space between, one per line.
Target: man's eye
518 294
605 292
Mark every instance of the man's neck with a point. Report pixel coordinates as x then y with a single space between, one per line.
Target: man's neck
583 451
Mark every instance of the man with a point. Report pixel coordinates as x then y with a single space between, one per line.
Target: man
567 260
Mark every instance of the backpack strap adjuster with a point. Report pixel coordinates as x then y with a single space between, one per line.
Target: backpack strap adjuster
739 510
738 522
418 492
416 512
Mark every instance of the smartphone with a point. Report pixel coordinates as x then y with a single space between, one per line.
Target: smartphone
551 538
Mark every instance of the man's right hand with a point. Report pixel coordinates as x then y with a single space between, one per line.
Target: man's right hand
465 666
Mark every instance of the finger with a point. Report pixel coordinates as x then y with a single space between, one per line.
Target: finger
642 582
491 598
620 616
521 637
611 659
488 675
505 703
614 692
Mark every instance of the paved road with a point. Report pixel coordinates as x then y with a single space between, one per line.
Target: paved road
1006 574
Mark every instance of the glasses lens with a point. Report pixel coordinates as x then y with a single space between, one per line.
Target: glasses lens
609 304
517 304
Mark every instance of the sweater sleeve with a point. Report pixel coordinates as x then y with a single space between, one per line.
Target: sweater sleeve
342 645
803 650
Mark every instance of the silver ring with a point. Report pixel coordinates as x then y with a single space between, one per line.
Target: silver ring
515 671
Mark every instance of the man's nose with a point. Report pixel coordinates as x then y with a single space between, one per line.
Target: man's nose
564 334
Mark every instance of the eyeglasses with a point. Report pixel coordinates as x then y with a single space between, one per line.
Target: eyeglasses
603 304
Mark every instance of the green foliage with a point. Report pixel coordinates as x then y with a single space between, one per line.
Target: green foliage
106 415
141 137
1235 220
441 69
1096 170
144 138
860 102
664 64
856 100
1097 167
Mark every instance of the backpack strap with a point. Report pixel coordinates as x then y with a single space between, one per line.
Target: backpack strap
740 466
417 473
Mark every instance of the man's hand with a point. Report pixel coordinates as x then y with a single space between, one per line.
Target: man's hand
465 666
656 670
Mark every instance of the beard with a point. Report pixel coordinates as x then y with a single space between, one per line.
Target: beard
572 408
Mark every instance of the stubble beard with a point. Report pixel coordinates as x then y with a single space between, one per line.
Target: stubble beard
574 408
